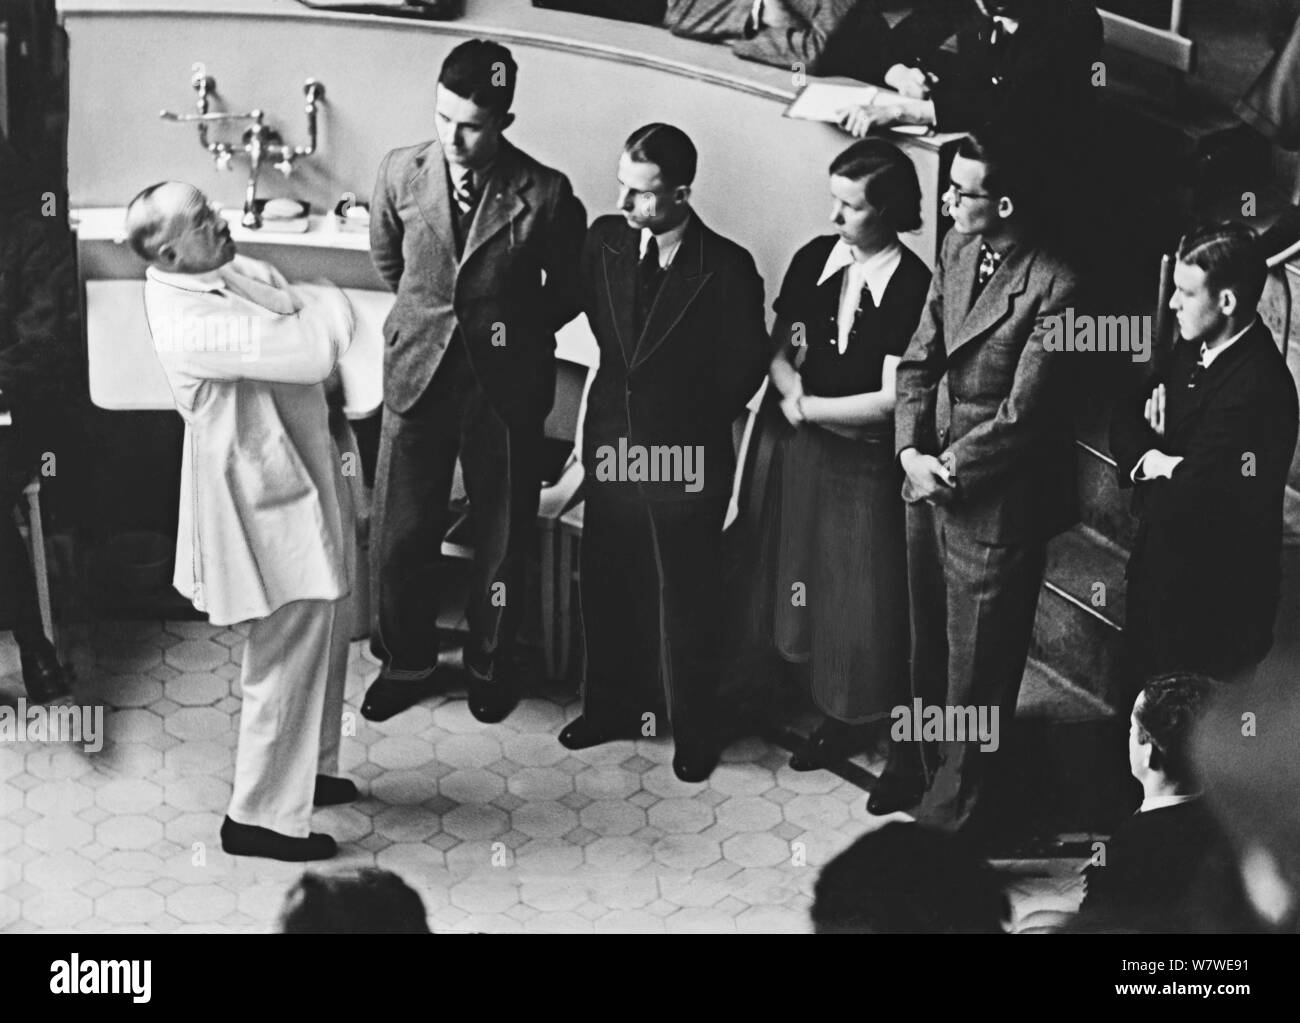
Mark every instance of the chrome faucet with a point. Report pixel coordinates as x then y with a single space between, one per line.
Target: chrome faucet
258 143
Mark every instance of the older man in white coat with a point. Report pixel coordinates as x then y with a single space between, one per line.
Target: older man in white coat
261 536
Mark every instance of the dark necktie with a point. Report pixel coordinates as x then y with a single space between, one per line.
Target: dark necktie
647 277
1199 370
649 268
865 303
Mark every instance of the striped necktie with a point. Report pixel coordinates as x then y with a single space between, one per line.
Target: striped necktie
466 190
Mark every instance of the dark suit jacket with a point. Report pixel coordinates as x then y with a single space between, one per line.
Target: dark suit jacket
864 46
1039 78
528 224
1205 570
1153 862
977 383
701 357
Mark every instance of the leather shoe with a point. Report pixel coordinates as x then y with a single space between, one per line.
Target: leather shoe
580 733
43 675
247 840
387 697
892 793
333 791
694 763
490 700
822 749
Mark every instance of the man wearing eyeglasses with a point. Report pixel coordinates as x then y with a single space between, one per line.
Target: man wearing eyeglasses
985 439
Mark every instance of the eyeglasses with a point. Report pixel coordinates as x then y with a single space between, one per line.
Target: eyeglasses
959 196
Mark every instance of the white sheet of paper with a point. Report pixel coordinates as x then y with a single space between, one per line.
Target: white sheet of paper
822 101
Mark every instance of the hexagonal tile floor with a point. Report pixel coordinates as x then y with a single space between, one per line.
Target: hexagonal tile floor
498 827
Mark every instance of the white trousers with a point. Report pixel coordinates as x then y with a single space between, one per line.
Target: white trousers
290 669
293 678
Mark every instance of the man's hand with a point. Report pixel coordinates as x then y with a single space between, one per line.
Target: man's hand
1157 464
791 410
911 82
1154 411
858 121
927 477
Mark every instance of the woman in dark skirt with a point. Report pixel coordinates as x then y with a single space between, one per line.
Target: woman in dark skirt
847 309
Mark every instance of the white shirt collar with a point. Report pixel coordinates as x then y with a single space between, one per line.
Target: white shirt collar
873 272
209 280
669 242
1209 355
1160 802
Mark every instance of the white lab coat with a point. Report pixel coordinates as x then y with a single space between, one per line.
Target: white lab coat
260 524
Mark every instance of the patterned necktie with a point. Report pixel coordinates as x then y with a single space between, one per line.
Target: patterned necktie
466 191
990 260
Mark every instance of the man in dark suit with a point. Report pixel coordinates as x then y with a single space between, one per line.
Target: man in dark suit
984 436
1207 443
677 311
481 244
1031 67
39 353
1154 858
1027 62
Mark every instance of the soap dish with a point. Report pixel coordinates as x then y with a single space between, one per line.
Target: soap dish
274 220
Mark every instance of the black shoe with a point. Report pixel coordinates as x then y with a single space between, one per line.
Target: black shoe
823 748
333 791
491 702
693 762
247 840
580 733
43 675
892 793
387 697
